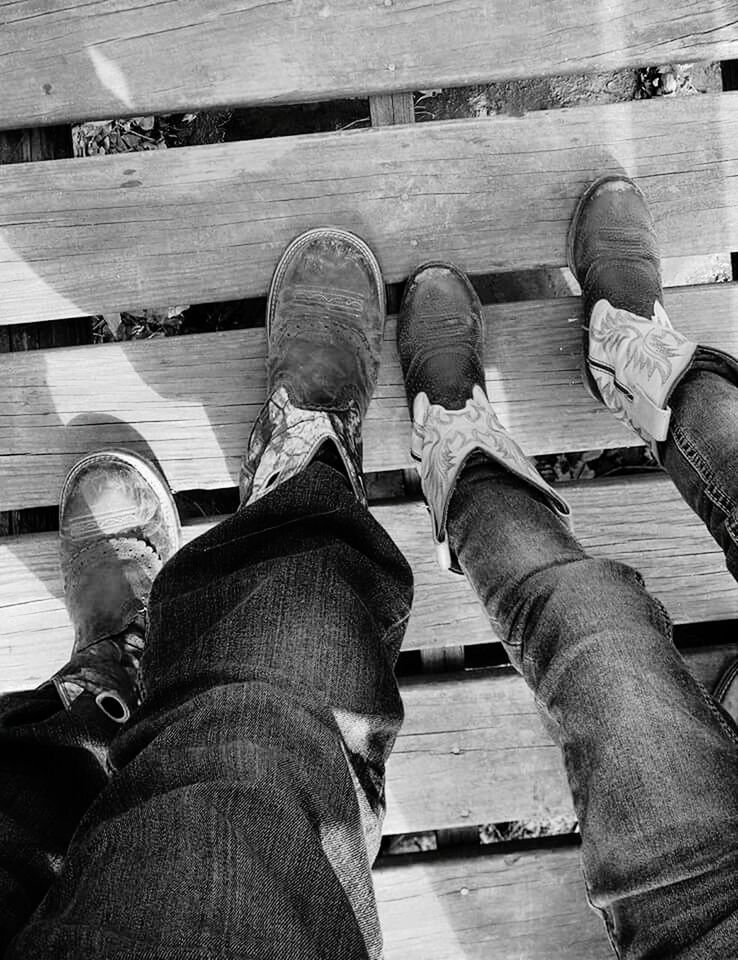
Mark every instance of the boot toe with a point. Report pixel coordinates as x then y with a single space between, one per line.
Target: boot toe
612 221
440 334
326 297
117 493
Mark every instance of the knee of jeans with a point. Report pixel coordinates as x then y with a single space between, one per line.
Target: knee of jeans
584 601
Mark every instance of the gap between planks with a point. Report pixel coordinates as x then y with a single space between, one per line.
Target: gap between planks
389 110
191 401
642 522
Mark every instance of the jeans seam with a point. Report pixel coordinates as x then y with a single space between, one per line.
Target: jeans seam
713 489
717 713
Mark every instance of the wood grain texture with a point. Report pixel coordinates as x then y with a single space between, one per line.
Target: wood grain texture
641 521
82 236
391 108
473 750
81 61
505 906
191 401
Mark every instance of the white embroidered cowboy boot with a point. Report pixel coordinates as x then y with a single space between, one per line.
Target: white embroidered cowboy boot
325 322
440 338
633 359
118 525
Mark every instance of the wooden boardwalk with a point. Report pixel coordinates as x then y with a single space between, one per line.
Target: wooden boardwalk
208 223
84 236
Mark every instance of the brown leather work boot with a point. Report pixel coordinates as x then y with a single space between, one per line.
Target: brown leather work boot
325 322
118 525
440 339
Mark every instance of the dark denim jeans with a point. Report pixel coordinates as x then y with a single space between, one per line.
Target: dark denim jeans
238 814
652 760
234 825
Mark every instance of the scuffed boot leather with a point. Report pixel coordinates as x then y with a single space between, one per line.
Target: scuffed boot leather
440 338
325 323
118 525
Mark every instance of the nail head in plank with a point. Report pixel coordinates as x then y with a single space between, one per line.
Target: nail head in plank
473 750
79 237
640 521
136 57
192 400
504 906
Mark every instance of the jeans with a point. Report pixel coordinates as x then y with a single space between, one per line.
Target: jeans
238 813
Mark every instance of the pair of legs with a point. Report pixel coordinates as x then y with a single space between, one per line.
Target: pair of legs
238 811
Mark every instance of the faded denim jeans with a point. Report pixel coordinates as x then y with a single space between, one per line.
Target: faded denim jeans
238 813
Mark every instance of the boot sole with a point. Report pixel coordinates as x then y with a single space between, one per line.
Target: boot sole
588 381
153 476
299 242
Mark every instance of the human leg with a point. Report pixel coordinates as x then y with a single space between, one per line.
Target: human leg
701 449
651 760
248 798
680 397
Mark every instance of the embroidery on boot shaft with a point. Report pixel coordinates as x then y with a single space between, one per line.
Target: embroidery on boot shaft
443 439
285 438
636 363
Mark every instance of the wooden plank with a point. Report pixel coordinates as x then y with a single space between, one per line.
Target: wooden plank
21 146
391 108
729 73
516 905
192 400
639 521
473 750
81 61
79 237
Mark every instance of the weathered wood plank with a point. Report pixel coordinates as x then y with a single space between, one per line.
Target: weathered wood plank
126 57
508 906
79 237
474 750
639 521
392 108
22 146
192 400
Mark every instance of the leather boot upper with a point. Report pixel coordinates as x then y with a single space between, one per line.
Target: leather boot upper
325 322
440 336
633 359
325 325
117 526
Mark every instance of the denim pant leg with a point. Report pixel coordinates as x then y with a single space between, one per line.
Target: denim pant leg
52 766
651 760
701 451
249 792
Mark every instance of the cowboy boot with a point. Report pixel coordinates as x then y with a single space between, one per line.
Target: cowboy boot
325 321
440 338
632 359
118 525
